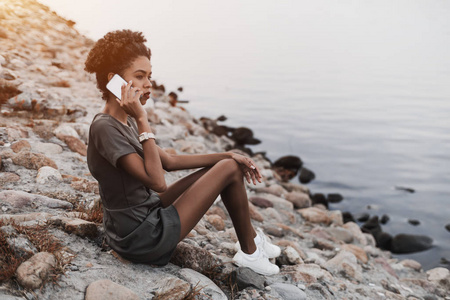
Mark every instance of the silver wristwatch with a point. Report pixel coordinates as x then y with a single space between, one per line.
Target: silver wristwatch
145 136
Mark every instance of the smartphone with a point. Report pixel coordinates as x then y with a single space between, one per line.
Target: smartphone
115 86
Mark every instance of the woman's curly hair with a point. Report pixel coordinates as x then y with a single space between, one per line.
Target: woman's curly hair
115 52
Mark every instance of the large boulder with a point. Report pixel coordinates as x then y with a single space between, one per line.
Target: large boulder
410 243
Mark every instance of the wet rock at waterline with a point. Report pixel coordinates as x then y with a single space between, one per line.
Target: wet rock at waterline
306 175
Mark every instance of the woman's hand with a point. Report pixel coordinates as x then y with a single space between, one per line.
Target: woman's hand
248 167
130 101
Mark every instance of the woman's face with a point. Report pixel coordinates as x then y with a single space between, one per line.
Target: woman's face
140 73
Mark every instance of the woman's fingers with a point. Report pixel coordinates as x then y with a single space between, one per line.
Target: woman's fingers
247 177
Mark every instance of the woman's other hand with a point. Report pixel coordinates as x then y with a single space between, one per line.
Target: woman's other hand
248 167
130 101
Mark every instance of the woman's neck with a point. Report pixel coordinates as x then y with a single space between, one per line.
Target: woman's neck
113 109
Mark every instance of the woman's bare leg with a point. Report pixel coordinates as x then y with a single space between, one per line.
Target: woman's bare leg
177 188
202 188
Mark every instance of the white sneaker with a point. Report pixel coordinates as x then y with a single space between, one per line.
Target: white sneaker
269 249
260 264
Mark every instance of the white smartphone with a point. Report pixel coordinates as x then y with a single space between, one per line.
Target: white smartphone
115 86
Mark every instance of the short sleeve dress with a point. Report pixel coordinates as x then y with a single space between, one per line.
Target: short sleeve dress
136 225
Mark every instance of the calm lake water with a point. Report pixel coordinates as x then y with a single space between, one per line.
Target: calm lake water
360 90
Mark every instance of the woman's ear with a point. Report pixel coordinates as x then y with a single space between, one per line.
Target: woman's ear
110 75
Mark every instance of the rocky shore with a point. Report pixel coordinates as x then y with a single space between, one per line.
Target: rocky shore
51 236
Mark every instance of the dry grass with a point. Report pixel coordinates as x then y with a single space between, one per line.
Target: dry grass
8 260
221 279
39 236
94 214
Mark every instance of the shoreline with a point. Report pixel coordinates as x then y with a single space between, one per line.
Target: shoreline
44 180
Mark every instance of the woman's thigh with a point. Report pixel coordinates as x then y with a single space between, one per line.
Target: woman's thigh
177 188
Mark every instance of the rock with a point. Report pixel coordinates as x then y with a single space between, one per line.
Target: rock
410 263
20 218
336 217
33 160
74 144
8 74
287 167
274 189
348 217
414 222
409 243
105 289
244 136
19 199
216 221
32 273
340 234
21 245
319 198
308 273
245 277
272 214
294 187
79 227
292 256
288 291
447 227
356 231
20 145
384 219
254 214
362 217
372 226
209 288
315 215
261 202
360 254
65 130
335 198
7 177
306 175
278 202
48 174
345 263
215 210
439 276
274 230
299 200
47 148
172 288
196 258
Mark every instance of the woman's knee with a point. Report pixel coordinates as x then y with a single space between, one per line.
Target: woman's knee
231 167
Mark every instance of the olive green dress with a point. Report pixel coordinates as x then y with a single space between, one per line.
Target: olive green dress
136 225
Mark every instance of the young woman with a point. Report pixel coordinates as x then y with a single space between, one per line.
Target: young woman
144 219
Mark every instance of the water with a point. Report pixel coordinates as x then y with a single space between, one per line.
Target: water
358 89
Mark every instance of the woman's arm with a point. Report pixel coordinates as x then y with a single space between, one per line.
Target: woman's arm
181 162
148 170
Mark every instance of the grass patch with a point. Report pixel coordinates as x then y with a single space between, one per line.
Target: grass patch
43 240
94 214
